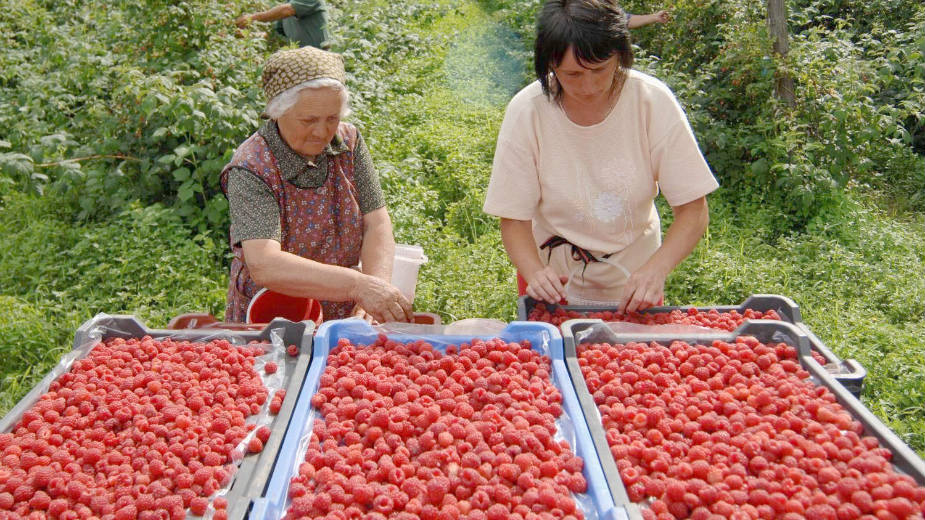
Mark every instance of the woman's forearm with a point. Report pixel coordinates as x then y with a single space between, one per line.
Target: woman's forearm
291 274
276 13
690 223
378 252
517 236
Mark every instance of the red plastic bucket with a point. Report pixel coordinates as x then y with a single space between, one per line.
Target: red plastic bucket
521 285
266 305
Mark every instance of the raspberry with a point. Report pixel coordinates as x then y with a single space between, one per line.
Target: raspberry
498 512
292 350
263 433
383 504
270 367
39 500
130 512
254 445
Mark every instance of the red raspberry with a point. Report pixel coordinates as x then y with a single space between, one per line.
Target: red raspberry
129 512
199 505
437 488
383 504
270 367
821 512
39 500
263 433
292 350
498 512
254 445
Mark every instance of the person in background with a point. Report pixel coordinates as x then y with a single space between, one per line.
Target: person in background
640 20
305 203
581 155
302 21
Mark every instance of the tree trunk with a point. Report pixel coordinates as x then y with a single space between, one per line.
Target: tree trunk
777 22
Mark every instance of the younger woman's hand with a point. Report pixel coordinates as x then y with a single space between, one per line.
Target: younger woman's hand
546 285
644 289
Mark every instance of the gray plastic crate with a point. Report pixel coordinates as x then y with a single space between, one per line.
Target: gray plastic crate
904 458
848 372
250 479
787 309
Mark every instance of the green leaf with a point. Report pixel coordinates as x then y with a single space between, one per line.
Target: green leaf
186 192
181 174
760 167
16 164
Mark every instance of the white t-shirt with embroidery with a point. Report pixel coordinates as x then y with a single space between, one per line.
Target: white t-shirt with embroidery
596 185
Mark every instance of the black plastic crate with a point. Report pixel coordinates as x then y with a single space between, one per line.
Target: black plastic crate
578 331
848 372
254 471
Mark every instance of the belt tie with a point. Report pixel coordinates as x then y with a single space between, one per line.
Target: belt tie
578 253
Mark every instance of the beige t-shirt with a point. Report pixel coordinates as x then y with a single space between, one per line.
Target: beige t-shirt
596 185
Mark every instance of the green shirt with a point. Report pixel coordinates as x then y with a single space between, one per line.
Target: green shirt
253 208
309 26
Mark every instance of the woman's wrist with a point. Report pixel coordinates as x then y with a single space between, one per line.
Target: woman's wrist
357 284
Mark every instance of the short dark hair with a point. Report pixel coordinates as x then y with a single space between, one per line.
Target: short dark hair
596 29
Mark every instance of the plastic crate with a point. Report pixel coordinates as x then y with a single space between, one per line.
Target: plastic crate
596 331
252 475
787 309
542 336
848 372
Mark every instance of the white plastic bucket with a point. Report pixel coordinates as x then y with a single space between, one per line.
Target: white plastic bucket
408 261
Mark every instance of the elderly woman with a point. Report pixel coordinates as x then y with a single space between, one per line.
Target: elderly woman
582 154
305 202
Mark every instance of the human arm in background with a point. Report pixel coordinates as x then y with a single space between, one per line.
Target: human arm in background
543 283
640 20
283 272
646 287
271 15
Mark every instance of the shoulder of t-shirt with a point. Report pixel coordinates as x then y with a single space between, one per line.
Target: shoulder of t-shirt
647 85
529 99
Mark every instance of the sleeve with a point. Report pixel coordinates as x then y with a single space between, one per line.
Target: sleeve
369 192
305 8
680 169
252 207
514 188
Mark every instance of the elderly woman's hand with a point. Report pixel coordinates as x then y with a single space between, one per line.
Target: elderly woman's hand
382 300
360 312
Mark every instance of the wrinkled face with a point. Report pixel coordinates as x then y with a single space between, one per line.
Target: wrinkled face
312 121
586 83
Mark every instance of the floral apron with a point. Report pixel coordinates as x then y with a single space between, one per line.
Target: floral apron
323 224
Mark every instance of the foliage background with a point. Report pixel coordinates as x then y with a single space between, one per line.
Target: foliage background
116 117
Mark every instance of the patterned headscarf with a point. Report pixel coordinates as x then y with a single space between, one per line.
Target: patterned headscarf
288 68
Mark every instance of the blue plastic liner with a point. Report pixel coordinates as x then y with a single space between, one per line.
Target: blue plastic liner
543 337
